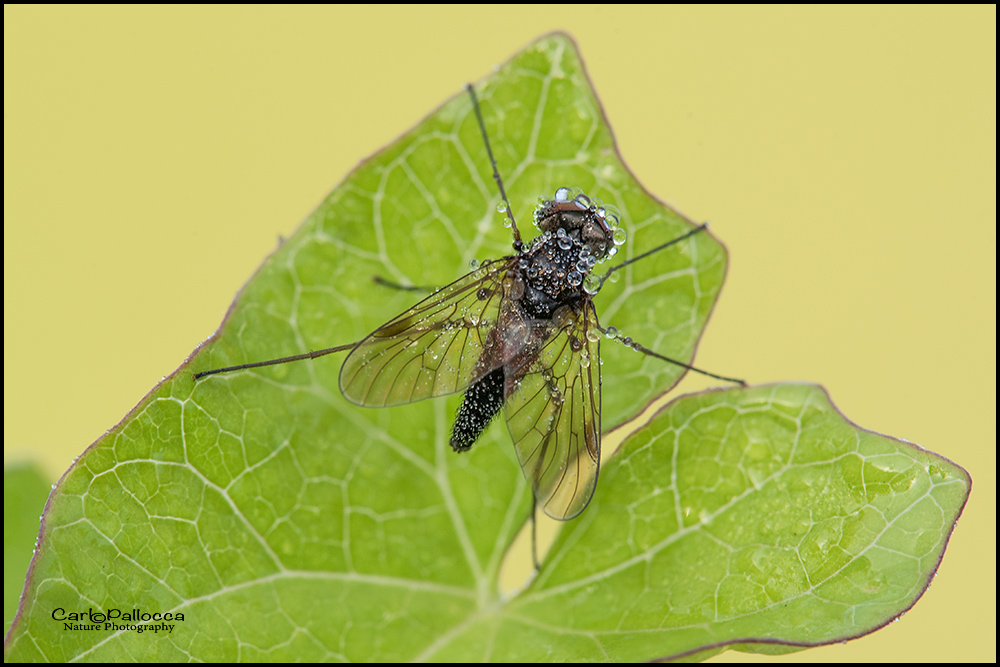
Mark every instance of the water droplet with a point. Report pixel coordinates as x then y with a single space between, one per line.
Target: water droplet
585 360
474 263
611 332
593 335
582 200
592 284
574 278
564 241
502 207
508 221
561 233
563 194
615 277
619 235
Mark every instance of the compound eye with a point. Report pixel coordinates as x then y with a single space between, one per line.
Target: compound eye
596 238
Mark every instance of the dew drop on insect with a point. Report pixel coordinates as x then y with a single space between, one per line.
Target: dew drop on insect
582 200
508 221
592 284
564 241
619 236
502 207
627 340
593 335
474 263
611 332
563 194
574 278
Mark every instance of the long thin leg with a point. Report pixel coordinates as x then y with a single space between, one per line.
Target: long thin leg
534 533
628 342
680 238
273 362
385 282
518 244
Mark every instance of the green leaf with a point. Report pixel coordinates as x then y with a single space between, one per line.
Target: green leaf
285 523
738 517
24 492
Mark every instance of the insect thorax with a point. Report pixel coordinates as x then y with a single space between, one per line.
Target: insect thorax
555 269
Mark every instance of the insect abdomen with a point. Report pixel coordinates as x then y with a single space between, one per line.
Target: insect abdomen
480 405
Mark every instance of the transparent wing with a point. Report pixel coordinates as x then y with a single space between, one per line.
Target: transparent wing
553 412
432 349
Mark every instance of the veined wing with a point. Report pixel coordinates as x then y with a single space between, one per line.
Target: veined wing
553 412
433 348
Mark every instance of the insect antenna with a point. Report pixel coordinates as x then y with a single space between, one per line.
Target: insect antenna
274 362
518 244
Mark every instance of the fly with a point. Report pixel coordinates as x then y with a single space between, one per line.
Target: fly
518 334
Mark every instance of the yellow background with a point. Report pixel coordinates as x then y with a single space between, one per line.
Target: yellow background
152 158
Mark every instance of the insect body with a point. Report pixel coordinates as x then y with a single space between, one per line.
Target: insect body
519 333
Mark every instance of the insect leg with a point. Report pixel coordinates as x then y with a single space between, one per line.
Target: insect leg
680 238
385 282
518 244
534 533
273 362
628 342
